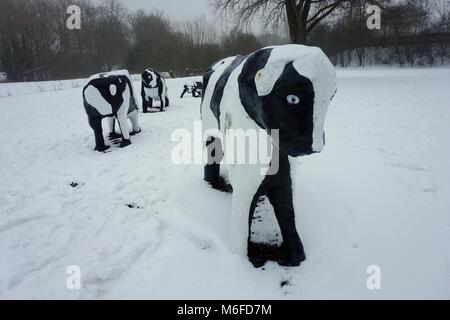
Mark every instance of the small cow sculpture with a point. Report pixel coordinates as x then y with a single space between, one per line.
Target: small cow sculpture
153 86
287 88
195 88
111 95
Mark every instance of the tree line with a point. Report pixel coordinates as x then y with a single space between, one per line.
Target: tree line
37 45
413 32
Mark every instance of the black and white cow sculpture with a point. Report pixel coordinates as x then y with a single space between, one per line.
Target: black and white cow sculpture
153 86
288 88
194 87
111 95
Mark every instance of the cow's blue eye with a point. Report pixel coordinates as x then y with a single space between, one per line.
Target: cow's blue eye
292 99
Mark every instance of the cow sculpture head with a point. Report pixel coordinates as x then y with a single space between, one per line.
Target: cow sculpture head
149 78
295 88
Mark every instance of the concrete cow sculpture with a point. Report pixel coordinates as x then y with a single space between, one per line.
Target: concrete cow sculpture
285 88
111 95
195 88
153 86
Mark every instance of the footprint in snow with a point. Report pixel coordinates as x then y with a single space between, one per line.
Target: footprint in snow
76 185
133 206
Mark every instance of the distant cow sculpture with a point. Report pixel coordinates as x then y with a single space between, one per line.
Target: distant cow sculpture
153 86
194 88
285 88
111 95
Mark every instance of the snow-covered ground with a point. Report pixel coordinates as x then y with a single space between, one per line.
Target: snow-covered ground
379 194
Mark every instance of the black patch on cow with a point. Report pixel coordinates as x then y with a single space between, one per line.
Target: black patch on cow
207 75
206 78
247 87
294 122
220 86
102 84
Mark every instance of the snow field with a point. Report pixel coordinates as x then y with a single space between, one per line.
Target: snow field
141 227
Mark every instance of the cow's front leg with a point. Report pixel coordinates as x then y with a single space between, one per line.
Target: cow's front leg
123 124
255 254
281 199
96 125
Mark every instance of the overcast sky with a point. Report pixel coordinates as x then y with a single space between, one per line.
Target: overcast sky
176 9
181 10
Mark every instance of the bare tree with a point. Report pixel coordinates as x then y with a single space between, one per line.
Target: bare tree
200 30
302 16
35 43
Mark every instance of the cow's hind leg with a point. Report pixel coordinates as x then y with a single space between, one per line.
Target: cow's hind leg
96 125
112 129
133 116
144 105
122 119
144 100
167 100
212 168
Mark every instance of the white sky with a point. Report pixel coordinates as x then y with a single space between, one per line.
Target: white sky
178 10
181 10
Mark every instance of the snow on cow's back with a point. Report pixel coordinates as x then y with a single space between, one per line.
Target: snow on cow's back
109 73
